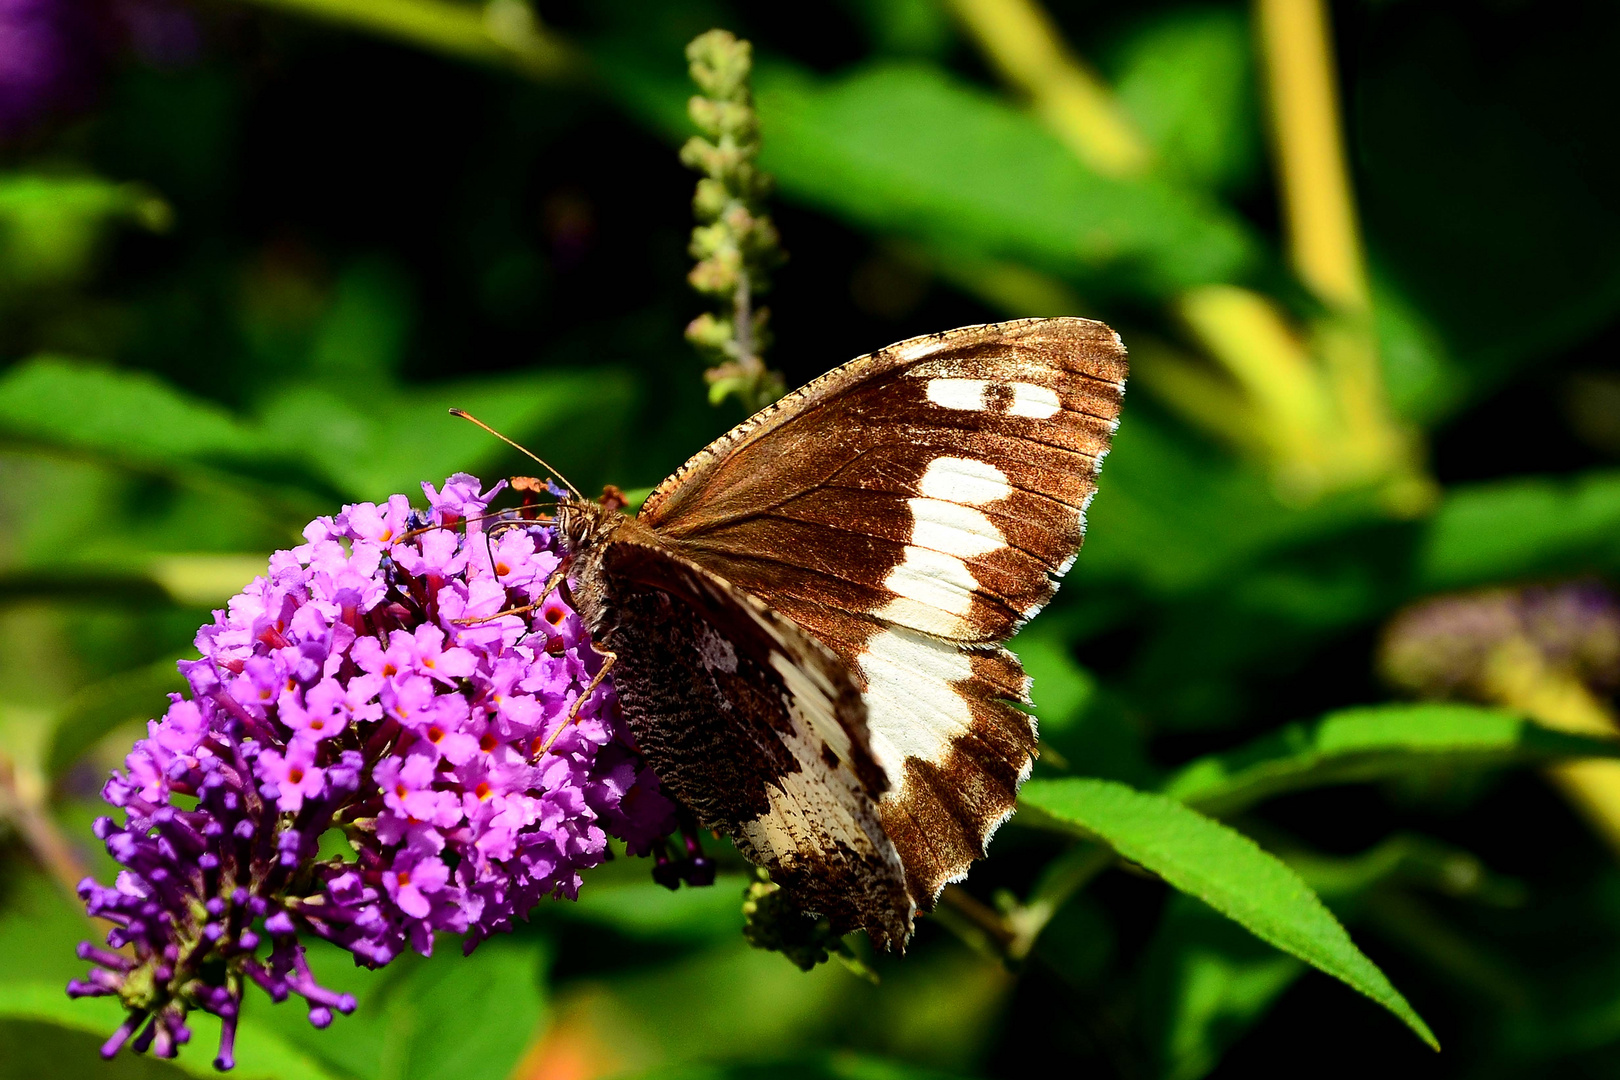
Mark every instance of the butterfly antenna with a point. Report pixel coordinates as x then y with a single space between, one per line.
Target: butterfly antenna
521 449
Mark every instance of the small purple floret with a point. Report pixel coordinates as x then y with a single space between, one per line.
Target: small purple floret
375 688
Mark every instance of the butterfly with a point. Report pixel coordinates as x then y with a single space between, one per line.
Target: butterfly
805 623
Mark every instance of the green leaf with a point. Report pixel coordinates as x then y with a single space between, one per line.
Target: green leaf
1173 514
732 1003
375 444
907 149
97 709
32 1049
1523 526
39 928
205 580
1061 688
1424 380
644 910
134 421
131 415
1080 720
1205 982
360 444
1187 78
1407 860
1372 743
1219 866
260 1054
445 1018
51 226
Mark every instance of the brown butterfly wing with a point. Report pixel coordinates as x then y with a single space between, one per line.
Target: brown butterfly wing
912 509
756 727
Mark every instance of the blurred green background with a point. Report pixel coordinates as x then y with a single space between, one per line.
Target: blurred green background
251 252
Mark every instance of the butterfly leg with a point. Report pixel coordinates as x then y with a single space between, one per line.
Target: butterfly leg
609 658
557 580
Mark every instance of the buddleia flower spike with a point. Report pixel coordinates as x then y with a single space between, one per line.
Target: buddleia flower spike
375 693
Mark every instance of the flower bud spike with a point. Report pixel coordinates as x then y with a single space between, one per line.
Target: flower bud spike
734 242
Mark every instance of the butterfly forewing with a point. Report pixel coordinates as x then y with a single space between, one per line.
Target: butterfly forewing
911 510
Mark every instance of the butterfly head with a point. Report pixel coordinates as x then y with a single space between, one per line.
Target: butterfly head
585 528
583 525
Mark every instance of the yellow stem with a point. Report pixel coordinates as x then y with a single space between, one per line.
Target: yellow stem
1019 38
1367 443
1520 678
1295 419
23 803
1324 240
1200 394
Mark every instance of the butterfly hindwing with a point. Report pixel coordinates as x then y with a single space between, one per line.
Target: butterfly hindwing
911 510
759 729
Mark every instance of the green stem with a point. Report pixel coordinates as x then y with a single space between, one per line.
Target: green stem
1062 878
503 33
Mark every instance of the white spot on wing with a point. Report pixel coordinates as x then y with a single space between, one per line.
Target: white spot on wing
965 394
933 578
904 611
964 480
1037 402
952 529
913 708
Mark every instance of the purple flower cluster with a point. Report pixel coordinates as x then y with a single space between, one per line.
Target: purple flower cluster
48 52
1452 646
401 690
54 54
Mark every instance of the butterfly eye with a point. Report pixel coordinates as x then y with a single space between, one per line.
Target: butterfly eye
573 525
